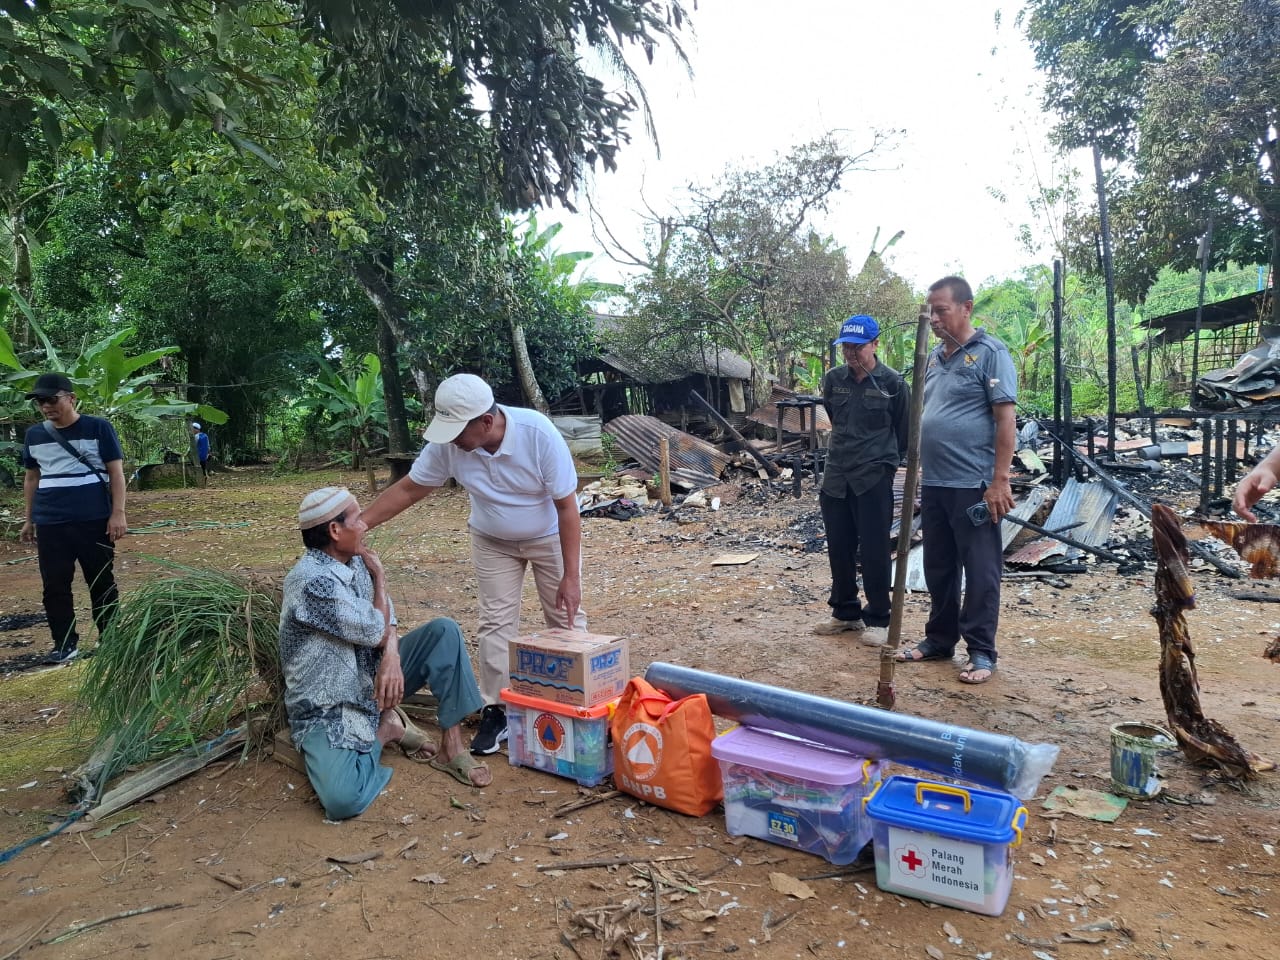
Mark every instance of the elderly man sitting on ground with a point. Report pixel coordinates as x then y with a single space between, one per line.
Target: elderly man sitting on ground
346 669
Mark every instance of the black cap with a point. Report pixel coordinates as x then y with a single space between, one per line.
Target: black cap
50 385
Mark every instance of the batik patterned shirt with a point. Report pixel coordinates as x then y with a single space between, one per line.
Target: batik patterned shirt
329 636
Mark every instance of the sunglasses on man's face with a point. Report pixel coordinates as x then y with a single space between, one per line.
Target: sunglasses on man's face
45 401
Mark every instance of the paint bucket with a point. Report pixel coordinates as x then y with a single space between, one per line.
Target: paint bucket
1134 747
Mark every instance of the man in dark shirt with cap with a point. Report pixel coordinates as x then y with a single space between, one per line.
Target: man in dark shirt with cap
74 492
867 404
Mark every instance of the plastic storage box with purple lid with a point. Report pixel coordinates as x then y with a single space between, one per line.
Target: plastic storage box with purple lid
559 738
795 793
945 843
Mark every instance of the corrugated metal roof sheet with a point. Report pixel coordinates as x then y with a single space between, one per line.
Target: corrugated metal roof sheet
694 463
1023 511
1091 504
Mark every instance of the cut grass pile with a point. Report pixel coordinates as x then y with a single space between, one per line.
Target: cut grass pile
190 653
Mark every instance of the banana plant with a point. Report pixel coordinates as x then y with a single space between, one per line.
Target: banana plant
354 402
108 381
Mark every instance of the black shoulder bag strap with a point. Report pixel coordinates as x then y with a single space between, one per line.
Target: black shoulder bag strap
62 442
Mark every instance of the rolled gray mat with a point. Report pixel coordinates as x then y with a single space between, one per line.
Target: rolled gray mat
990 759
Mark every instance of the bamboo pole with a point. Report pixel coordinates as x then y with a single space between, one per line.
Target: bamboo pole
886 696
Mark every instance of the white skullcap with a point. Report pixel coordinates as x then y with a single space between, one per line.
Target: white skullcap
321 506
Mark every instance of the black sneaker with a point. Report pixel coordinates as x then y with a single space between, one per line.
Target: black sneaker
62 656
492 732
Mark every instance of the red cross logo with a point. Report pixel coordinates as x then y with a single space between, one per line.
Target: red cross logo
909 861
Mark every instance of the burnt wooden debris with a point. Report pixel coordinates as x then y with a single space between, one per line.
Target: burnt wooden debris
1203 740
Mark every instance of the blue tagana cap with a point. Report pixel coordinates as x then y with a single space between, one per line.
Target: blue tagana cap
859 328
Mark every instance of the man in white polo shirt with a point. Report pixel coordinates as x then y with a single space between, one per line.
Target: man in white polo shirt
524 512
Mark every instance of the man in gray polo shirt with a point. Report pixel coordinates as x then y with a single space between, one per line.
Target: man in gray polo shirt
867 404
967 437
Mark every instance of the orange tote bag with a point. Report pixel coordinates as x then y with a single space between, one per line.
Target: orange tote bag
662 749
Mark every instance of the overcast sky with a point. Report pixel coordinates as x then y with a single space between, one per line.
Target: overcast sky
769 74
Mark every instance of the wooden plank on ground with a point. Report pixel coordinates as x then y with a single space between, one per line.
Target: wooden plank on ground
160 775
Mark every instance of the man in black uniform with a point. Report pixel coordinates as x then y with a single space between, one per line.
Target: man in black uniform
867 404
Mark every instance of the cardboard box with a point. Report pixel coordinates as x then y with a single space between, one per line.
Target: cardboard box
566 666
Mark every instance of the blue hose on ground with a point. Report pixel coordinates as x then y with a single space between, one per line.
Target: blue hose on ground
75 815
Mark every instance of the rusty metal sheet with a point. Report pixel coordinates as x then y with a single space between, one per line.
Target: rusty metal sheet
1091 504
694 463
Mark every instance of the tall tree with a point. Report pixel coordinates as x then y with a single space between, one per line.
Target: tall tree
1186 96
742 265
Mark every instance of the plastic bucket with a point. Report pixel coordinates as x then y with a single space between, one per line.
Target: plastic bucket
1134 748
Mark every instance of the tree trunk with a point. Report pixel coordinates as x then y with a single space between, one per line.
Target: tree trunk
23 337
377 279
393 390
524 367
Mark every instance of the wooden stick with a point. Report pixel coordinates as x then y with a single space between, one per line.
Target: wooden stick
611 862
571 805
31 936
657 910
90 849
886 696
77 929
769 466
664 471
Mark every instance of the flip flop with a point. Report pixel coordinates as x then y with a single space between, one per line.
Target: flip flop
413 741
460 768
976 664
908 654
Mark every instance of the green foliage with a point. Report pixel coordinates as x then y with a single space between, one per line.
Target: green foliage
1185 96
1093 54
84 73
1175 290
108 381
353 402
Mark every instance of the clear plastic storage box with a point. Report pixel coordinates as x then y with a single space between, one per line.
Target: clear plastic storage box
946 844
795 793
559 738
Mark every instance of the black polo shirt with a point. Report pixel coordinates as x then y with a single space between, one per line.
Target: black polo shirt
868 428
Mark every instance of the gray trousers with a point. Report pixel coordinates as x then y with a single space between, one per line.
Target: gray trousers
434 656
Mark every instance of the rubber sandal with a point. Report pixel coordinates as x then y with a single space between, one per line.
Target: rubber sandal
413 740
926 653
976 663
460 768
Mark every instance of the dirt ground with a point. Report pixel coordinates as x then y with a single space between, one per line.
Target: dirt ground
238 855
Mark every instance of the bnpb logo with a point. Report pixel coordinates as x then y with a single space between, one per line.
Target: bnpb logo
549 731
642 746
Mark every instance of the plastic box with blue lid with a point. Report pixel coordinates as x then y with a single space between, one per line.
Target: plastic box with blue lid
559 738
795 793
946 844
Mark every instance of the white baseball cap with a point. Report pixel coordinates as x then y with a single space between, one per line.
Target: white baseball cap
459 400
195 426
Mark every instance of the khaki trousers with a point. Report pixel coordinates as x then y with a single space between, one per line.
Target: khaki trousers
500 567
